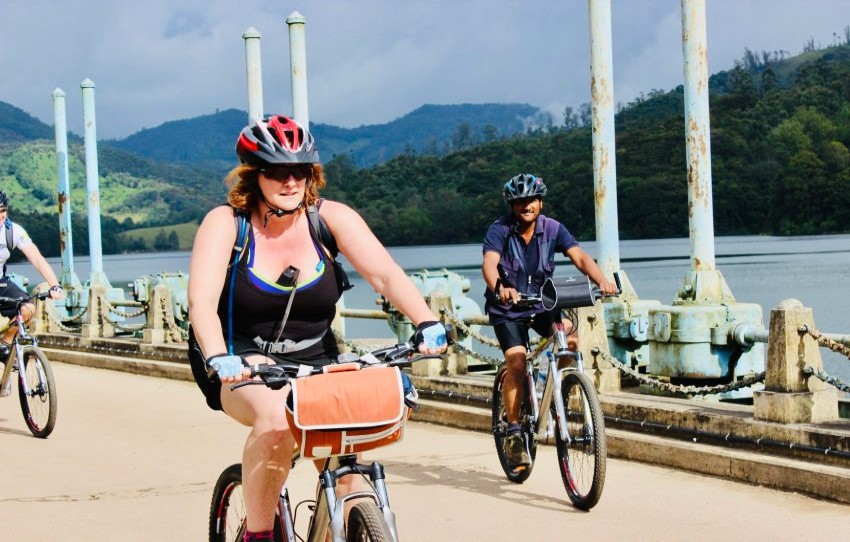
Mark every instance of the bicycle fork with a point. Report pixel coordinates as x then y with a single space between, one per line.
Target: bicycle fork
330 510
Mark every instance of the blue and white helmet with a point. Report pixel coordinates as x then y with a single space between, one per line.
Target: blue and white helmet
524 185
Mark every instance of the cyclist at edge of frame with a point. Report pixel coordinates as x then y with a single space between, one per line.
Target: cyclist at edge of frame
285 266
17 235
519 255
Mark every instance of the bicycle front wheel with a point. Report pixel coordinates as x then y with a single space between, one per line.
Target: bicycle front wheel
582 459
366 524
515 474
38 400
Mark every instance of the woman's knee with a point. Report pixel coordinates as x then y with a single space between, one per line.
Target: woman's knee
515 360
27 311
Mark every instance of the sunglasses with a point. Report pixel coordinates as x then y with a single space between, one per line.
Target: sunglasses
282 173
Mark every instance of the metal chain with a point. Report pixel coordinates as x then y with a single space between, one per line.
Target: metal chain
106 308
825 377
76 318
827 342
111 308
480 357
354 348
660 384
54 319
177 333
468 331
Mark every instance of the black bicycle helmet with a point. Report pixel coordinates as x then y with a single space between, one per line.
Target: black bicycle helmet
276 140
524 185
4 199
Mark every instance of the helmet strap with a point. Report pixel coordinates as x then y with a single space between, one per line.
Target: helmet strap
274 211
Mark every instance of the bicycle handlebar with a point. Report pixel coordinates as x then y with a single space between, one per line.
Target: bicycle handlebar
278 375
529 300
18 301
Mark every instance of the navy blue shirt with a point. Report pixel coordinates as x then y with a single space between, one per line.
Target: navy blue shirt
496 240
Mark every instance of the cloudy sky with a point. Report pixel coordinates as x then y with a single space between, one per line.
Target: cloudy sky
368 61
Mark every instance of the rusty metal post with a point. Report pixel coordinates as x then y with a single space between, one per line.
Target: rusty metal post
298 66
693 338
604 153
625 318
254 74
92 189
698 138
67 278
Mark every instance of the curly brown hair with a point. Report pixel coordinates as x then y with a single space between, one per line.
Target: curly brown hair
244 190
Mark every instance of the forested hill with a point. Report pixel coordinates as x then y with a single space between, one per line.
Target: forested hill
780 132
431 129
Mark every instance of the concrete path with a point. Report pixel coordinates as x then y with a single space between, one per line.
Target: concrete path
134 458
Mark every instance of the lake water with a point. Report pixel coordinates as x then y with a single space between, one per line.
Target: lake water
762 270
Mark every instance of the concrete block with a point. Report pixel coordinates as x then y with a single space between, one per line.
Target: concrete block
804 407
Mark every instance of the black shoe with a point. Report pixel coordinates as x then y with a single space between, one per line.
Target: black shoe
5 350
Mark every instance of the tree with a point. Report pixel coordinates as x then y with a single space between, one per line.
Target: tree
463 138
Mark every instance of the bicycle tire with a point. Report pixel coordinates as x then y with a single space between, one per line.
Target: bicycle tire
227 509
582 463
500 426
366 523
39 405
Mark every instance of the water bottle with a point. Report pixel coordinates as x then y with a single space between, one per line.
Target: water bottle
542 373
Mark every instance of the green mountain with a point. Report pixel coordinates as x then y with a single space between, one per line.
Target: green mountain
432 129
133 190
780 133
17 125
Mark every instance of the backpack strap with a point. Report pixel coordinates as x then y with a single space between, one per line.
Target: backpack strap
10 241
319 229
242 228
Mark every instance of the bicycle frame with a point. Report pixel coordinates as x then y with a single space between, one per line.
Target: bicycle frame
552 388
329 510
22 340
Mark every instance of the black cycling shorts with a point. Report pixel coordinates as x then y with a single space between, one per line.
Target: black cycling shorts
515 332
10 289
210 385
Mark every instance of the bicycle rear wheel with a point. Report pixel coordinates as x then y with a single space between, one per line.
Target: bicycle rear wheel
366 524
582 460
39 403
515 474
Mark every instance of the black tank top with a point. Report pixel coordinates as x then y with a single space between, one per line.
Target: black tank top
259 306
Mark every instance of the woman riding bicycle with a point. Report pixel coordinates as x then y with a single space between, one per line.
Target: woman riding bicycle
14 236
519 255
285 292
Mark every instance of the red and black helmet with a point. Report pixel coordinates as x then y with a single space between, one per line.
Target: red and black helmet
276 140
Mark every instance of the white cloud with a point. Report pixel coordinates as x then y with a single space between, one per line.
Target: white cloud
369 61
